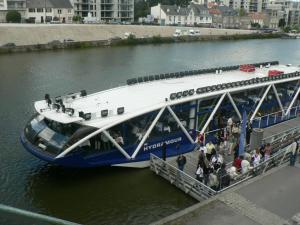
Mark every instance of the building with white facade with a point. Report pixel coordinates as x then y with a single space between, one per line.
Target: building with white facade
60 11
247 5
194 14
105 10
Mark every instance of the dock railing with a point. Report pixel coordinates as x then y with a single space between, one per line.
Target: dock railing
184 180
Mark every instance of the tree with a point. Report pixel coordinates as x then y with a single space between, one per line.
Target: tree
77 19
13 17
141 9
281 23
255 25
242 12
287 29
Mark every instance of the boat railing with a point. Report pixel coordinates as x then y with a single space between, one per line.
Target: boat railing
263 121
276 117
12 215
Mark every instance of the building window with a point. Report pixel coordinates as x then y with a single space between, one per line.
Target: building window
49 10
59 11
40 10
170 18
69 10
32 10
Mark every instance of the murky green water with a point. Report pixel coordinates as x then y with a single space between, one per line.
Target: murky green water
100 195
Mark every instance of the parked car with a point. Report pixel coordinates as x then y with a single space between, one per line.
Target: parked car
194 32
68 40
177 33
129 34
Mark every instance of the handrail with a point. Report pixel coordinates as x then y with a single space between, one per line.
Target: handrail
36 216
181 175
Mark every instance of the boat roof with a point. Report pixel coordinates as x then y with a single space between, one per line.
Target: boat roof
145 97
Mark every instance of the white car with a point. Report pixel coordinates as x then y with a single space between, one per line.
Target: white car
194 33
129 34
177 33
191 33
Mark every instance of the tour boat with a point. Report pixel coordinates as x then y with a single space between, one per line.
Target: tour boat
123 125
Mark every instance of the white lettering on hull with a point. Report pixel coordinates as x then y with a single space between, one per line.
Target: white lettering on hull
160 144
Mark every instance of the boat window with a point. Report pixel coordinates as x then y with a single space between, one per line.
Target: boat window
167 126
52 136
286 91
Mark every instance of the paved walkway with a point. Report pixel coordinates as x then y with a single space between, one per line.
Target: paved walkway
280 127
272 199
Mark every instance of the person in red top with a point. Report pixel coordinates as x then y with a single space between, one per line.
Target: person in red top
201 139
237 162
268 151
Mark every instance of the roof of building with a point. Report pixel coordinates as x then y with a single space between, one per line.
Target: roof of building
228 11
199 9
64 4
174 10
222 10
256 16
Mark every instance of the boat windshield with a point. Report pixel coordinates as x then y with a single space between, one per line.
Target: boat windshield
52 136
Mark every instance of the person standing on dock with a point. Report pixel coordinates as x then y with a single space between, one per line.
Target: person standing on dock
294 151
181 161
209 150
164 152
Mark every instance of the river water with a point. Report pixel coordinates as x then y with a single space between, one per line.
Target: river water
100 195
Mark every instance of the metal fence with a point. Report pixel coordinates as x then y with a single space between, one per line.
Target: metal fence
186 182
180 179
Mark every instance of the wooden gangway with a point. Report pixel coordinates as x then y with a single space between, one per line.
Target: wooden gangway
186 181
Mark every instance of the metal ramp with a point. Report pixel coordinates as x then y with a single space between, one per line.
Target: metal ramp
185 180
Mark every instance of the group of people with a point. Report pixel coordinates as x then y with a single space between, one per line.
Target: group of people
211 169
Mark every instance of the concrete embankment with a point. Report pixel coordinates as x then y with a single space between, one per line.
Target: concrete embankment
32 37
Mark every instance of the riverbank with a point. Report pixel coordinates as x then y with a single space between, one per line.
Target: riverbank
33 37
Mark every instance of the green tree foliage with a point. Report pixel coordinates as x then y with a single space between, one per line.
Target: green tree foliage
287 29
141 9
77 18
281 23
13 17
255 25
242 12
